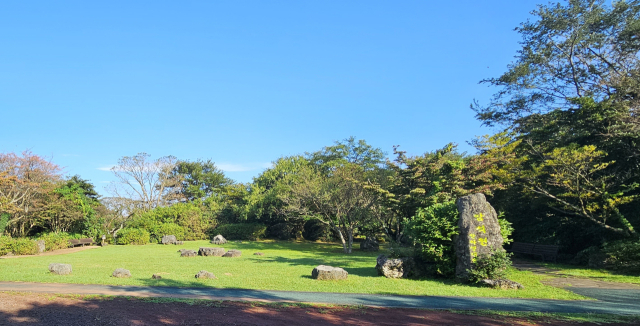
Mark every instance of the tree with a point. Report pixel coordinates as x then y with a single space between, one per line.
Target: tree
144 182
199 179
348 151
341 199
580 49
26 179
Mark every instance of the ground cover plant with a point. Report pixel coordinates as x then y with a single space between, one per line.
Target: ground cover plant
285 266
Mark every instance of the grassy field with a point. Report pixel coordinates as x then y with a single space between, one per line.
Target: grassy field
598 274
285 266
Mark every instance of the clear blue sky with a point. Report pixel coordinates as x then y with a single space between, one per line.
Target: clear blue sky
244 82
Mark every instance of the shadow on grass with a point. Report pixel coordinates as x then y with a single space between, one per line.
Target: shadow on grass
331 261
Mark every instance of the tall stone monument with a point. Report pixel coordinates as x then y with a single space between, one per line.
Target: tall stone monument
479 232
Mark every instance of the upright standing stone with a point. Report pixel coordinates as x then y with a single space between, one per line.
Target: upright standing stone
41 246
169 239
479 232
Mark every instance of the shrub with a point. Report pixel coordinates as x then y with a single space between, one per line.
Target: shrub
315 230
133 236
22 246
492 267
4 244
170 229
286 231
622 255
242 231
54 241
432 230
505 229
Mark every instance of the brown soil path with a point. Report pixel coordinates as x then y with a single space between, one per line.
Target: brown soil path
55 252
41 309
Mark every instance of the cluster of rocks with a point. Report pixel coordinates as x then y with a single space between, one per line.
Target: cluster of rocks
504 284
211 252
170 239
324 272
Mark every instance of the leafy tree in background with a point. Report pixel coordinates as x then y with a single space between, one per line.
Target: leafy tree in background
580 49
348 151
341 199
199 179
570 154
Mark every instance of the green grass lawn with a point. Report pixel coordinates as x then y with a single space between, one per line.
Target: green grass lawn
598 274
285 266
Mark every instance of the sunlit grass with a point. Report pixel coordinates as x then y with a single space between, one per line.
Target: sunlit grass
285 266
593 273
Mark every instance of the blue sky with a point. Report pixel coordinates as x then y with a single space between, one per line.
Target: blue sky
244 82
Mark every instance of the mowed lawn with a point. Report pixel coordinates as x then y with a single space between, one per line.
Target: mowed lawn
285 266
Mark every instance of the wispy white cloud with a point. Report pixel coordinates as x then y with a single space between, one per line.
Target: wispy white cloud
106 168
231 167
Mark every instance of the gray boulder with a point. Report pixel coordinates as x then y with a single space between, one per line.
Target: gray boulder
479 233
369 244
233 253
504 284
40 246
206 275
188 253
60 269
215 252
121 273
219 239
169 239
324 272
396 268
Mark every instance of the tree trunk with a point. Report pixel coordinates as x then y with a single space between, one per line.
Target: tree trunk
350 235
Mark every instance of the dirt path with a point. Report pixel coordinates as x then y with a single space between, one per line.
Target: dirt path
43 309
55 252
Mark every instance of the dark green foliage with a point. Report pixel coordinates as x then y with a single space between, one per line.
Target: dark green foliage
492 267
133 236
432 229
286 231
4 220
347 151
200 179
622 256
242 231
315 230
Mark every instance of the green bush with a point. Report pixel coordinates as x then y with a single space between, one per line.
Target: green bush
242 231
170 229
4 244
432 230
505 229
623 256
133 236
315 230
54 241
492 267
22 246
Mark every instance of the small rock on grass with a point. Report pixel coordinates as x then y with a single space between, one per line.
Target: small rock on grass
188 253
60 269
156 277
258 254
206 275
121 273
232 253
323 272
504 284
